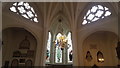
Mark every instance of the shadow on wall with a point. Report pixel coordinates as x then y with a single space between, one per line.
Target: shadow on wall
19 47
102 46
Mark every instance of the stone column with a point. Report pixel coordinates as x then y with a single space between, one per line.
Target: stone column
52 51
75 47
81 58
45 38
38 56
66 57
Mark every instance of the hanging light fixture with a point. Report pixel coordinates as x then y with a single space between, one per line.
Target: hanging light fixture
100 57
61 41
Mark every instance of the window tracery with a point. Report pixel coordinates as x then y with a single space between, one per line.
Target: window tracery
25 10
95 13
48 47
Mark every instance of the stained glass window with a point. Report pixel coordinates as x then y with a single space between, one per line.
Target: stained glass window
25 10
70 52
58 51
48 47
57 54
95 13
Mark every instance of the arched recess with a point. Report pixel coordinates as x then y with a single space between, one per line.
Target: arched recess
104 41
13 37
58 24
83 34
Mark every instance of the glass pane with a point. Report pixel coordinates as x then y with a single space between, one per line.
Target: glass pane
24 8
84 22
58 55
70 53
48 48
98 11
94 9
58 51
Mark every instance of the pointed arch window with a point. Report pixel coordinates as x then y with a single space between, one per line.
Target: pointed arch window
69 50
58 51
25 10
55 54
48 47
95 13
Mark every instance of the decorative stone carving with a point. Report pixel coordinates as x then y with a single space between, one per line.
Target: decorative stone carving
25 44
28 63
15 63
16 54
88 56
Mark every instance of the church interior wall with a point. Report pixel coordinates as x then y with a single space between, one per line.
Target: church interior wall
83 38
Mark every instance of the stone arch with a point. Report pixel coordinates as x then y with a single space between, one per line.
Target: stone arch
27 29
104 41
93 31
28 33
